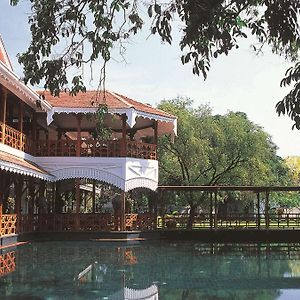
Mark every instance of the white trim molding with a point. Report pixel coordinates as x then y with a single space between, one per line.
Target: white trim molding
17 169
131 114
124 173
11 81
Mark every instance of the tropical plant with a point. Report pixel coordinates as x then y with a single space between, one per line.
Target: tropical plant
209 28
216 150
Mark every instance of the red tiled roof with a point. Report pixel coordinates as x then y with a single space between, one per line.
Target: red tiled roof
29 166
3 55
92 98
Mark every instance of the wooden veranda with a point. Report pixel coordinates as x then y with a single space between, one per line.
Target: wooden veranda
52 221
212 220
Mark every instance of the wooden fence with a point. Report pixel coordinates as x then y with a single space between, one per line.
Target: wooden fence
146 221
8 224
95 148
87 222
234 221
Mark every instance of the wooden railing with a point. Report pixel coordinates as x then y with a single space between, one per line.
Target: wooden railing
8 224
94 148
13 138
147 221
88 148
87 222
140 150
234 221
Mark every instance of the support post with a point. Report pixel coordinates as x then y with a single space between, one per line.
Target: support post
258 210
155 132
20 125
32 195
19 184
77 181
216 211
78 203
94 197
267 220
162 208
78 145
211 211
0 218
1 201
156 210
4 113
33 134
123 145
123 225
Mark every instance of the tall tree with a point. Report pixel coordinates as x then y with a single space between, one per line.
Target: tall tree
209 28
214 150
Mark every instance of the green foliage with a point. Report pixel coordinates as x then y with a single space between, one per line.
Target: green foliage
102 131
289 199
293 164
291 102
210 28
217 150
89 28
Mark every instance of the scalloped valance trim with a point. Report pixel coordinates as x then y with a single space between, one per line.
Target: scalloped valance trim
131 114
140 183
14 168
100 175
88 173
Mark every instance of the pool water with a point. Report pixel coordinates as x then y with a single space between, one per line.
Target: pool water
150 270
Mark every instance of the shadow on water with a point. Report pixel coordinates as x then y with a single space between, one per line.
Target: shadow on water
150 270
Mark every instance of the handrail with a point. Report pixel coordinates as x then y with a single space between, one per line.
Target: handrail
13 138
232 221
8 224
58 222
95 148
67 147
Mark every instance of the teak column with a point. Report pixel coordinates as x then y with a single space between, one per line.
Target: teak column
77 181
20 121
123 154
33 134
3 116
94 196
2 182
258 210
123 141
155 128
18 193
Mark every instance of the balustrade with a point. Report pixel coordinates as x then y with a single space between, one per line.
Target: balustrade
13 138
233 221
94 148
88 148
87 222
8 224
145 221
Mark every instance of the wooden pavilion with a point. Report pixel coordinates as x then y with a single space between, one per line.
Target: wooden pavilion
47 142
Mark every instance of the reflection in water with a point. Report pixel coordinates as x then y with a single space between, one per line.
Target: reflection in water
95 273
7 263
168 271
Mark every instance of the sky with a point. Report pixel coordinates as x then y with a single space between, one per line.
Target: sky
241 81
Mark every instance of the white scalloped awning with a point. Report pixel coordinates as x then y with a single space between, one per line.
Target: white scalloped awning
131 113
12 164
125 173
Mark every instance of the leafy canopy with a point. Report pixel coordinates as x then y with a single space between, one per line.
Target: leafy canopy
217 150
69 33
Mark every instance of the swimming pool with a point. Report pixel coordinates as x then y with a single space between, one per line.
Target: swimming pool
150 270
